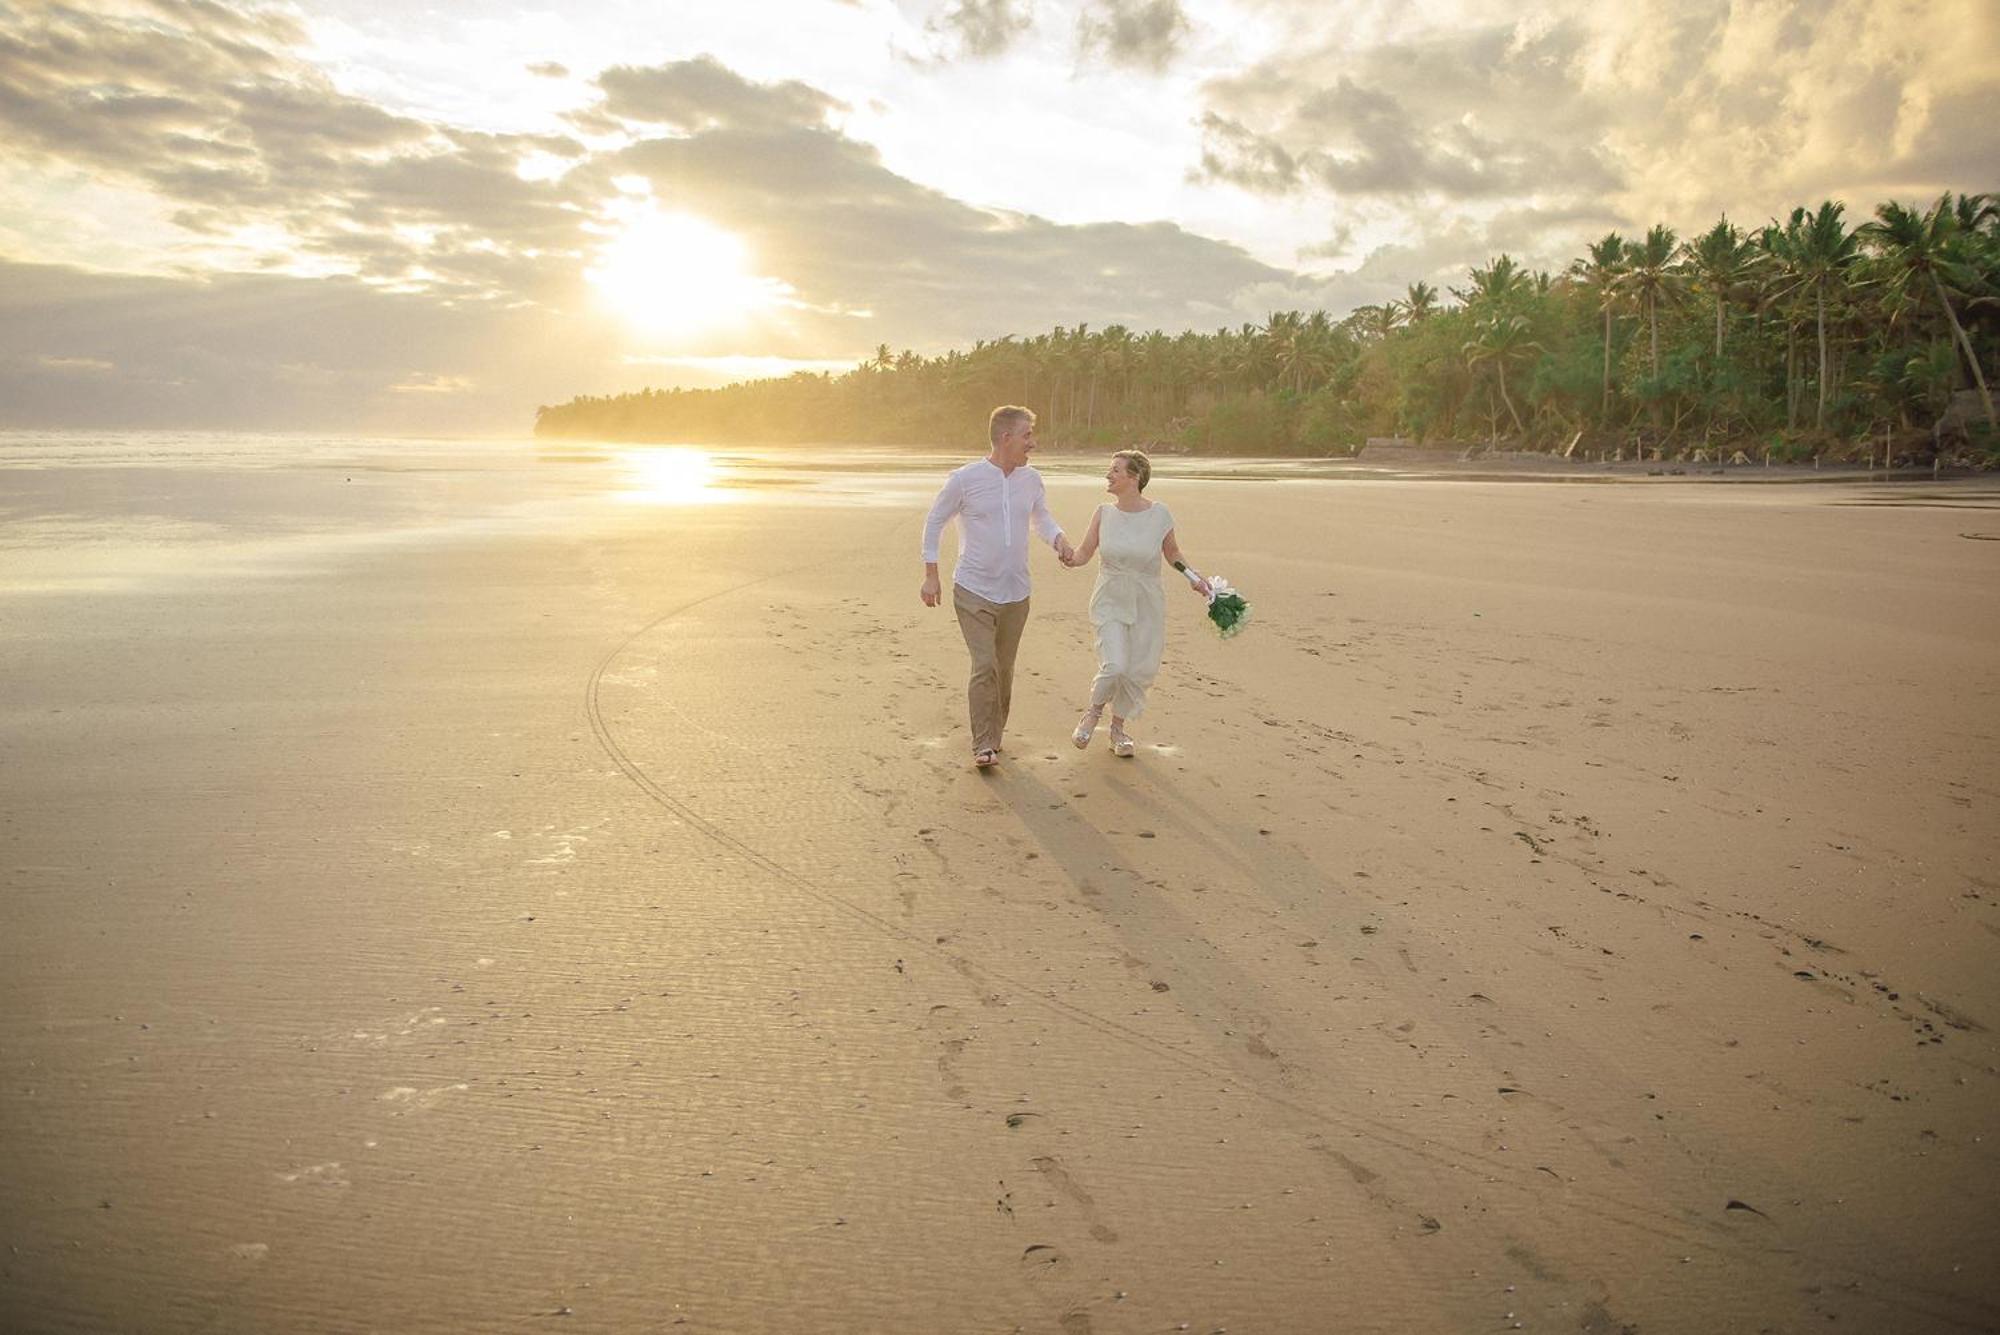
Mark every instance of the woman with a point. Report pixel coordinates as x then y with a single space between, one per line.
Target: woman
1126 605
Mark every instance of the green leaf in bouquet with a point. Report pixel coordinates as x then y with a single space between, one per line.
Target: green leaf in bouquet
1229 613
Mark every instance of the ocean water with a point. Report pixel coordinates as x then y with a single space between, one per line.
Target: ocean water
82 511
103 511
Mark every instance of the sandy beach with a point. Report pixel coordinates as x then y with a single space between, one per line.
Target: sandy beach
1570 907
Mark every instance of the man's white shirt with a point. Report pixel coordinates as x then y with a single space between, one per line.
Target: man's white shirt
994 511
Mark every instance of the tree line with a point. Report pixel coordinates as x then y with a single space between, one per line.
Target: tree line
1802 338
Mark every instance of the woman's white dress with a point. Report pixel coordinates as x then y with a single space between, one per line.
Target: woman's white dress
1128 607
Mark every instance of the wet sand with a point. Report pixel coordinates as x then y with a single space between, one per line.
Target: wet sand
1567 906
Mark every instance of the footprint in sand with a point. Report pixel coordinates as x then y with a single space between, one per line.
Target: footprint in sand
1361 1173
1058 1177
1042 1261
1373 1187
947 1024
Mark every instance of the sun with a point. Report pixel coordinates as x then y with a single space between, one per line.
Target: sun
670 274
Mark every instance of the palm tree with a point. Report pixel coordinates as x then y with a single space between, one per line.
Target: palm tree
1976 211
1822 253
1501 338
1721 259
1420 302
1780 247
1291 351
1496 284
1280 339
1378 322
1604 273
1920 251
1115 361
1156 359
1321 339
1651 277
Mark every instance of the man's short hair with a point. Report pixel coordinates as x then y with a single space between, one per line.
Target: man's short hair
1006 420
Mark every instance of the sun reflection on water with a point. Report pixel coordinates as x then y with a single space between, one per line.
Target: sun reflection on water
671 475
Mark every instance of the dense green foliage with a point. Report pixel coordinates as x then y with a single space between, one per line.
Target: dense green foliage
1805 337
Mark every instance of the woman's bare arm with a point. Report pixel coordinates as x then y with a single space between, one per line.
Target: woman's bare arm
1089 547
1172 551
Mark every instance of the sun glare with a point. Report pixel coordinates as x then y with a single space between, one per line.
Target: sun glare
670 274
670 475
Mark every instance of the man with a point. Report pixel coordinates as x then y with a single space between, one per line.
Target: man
995 500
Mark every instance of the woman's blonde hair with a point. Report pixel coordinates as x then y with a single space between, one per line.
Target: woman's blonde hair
1137 464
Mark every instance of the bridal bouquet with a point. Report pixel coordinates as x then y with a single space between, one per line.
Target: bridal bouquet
1226 608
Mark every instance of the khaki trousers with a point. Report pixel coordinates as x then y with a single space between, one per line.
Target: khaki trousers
992 635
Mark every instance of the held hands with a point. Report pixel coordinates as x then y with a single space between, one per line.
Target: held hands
1066 553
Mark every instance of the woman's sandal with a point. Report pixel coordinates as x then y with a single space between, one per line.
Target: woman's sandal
1086 725
986 757
1121 745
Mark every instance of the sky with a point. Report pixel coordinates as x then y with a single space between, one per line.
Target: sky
389 216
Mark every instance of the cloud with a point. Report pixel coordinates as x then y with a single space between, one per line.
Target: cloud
1679 110
823 214
1389 149
1143 34
1439 137
982 29
1471 114
1861 100
452 294
1337 245
1234 154
450 260
214 111
271 351
704 94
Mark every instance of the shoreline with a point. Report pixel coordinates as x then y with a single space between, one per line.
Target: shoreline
124 512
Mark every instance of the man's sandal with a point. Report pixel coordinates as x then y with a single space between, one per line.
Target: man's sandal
986 757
